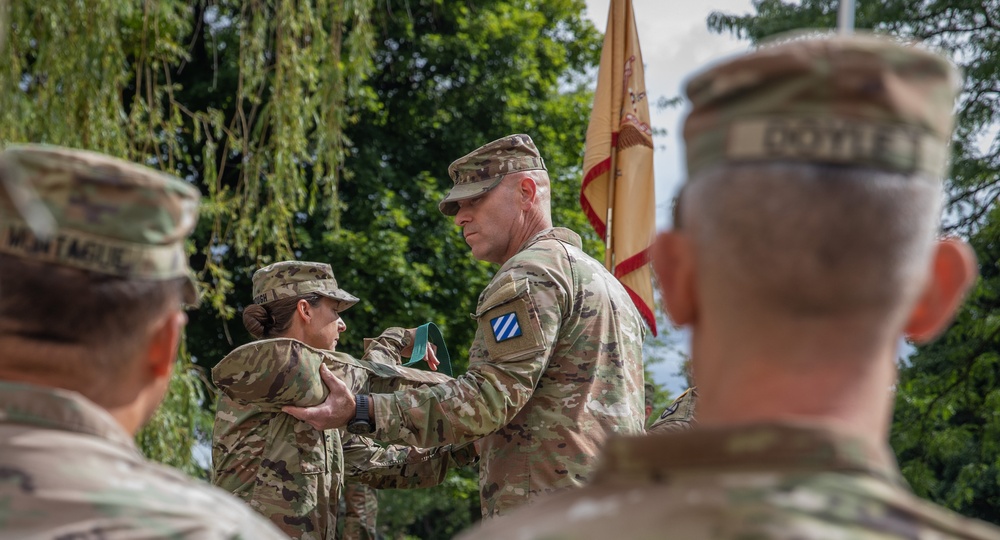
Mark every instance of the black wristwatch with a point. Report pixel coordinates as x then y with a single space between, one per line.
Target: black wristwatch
362 423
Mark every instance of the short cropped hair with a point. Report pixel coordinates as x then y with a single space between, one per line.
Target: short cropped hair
814 240
105 315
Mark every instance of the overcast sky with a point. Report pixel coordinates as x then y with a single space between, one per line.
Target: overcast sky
675 43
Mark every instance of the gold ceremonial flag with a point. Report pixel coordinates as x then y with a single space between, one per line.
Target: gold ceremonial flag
619 139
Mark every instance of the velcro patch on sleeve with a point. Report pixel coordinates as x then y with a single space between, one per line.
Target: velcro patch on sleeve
510 328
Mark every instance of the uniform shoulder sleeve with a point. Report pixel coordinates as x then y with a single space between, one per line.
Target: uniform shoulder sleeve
679 416
520 317
508 319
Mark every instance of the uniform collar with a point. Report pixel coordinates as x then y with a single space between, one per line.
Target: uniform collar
763 447
561 234
63 410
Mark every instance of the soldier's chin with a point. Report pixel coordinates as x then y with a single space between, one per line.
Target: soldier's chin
477 253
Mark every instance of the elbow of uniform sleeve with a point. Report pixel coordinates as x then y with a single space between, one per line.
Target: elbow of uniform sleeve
385 348
465 454
393 336
458 411
404 467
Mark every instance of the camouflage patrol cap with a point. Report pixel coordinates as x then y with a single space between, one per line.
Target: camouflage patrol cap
482 169
288 279
107 215
857 100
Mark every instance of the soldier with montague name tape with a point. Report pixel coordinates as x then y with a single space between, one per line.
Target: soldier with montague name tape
93 280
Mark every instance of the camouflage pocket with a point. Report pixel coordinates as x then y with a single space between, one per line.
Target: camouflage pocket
504 483
296 447
293 482
509 322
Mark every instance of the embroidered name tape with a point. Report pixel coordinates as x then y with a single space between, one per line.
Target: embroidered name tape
832 140
93 252
505 327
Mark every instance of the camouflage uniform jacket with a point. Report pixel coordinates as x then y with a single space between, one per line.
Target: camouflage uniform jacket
555 368
679 416
69 471
288 471
779 481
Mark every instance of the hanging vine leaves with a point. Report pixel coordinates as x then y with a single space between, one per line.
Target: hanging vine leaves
103 75
260 131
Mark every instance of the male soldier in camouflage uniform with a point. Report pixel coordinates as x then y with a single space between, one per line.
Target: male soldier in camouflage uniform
90 321
679 415
556 365
284 469
805 247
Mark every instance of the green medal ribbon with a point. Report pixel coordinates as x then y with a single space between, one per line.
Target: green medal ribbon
430 333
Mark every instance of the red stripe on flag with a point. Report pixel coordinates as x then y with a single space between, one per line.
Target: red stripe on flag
594 172
632 263
595 221
645 311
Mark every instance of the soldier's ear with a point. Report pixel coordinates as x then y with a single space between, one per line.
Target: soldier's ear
953 271
303 310
674 263
165 338
527 191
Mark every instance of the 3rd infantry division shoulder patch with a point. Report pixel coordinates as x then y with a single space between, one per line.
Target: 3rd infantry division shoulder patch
505 327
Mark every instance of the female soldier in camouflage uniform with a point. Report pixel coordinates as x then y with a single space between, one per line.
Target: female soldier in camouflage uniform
285 469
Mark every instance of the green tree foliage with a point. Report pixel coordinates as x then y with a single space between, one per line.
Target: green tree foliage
245 99
177 426
947 418
446 78
438 513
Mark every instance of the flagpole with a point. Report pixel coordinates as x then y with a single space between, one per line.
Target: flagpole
845 17
609 253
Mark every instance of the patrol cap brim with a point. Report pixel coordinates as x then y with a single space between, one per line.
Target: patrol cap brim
343 298
461 192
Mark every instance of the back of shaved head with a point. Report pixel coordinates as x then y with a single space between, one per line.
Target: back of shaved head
809 240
